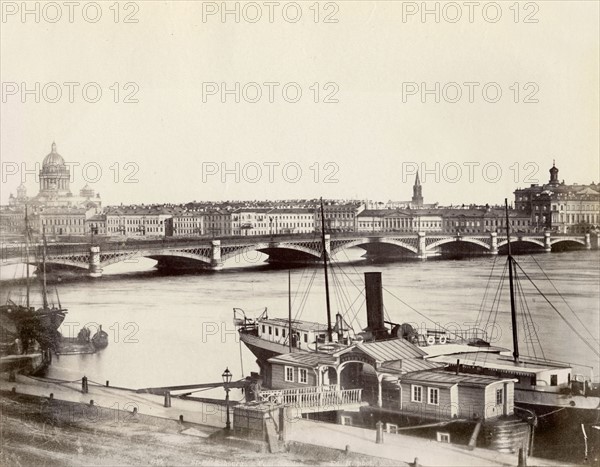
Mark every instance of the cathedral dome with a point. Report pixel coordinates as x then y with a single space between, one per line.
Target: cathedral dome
53 158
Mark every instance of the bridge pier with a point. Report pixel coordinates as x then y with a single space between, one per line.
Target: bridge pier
547 244
493 243
588 241
421 246
328 244
216 262
94 263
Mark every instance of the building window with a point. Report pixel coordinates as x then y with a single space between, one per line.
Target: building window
302 375
433 396
553 380
416 393
289 374
443 437
499 396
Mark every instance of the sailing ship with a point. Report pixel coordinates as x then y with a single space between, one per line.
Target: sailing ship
542 386
26 328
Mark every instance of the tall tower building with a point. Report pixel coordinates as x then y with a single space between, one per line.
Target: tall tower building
417 198
554 175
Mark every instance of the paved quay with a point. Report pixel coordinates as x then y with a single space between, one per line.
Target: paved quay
402 448
201 413
399 448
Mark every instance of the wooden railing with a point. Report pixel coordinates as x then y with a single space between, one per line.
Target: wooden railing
312 396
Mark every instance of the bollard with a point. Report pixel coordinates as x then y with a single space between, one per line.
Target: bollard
51 395
522 458
12 377
107 383
134 411
379 438
416 462
347 449
181 418
91 401
84 385
167 399
14 390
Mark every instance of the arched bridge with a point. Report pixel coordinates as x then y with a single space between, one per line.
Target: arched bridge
194 252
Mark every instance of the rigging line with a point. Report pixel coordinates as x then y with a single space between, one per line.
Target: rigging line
423 315
304 295
535 333
486 293
496 302
349 311
560 314
527 332
497 294
563 299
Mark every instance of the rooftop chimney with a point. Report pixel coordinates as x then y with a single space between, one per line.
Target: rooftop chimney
375 319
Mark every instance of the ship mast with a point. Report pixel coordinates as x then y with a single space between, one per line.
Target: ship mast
329 331
44 285
290 310
513 311
27 286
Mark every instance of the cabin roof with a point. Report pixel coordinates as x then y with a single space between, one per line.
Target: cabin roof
310 359
445 378
391 349
502 363
297 324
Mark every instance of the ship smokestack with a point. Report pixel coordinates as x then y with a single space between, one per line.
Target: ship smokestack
375 319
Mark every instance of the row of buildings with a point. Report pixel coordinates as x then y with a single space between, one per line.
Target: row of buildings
554 206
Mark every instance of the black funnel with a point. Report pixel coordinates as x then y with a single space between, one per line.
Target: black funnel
374 291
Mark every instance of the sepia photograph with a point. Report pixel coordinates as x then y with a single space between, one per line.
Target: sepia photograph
289 233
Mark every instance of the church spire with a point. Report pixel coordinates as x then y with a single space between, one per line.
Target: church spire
417 199
53 147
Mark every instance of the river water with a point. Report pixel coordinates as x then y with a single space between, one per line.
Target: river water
172 329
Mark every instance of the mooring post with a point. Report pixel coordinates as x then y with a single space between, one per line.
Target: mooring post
84 385
522 458
379 437
167 399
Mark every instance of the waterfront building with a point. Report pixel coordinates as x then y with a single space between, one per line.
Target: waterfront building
139 221
189 223
218 222
291 221
559 207
339 217
250 221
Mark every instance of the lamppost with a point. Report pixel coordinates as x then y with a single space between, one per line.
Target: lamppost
226 380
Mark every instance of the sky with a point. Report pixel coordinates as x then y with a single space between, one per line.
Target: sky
334 99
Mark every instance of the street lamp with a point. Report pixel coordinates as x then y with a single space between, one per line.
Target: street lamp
226 380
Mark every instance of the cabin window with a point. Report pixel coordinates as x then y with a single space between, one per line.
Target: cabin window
263 327
289 374
443 437
533 380
277 332
306 338
433 396
391 428
302 375
553 380
270 330
346 420
283 332
416 393
499 396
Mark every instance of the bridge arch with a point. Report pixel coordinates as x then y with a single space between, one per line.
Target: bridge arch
375 240
444 241
268 249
